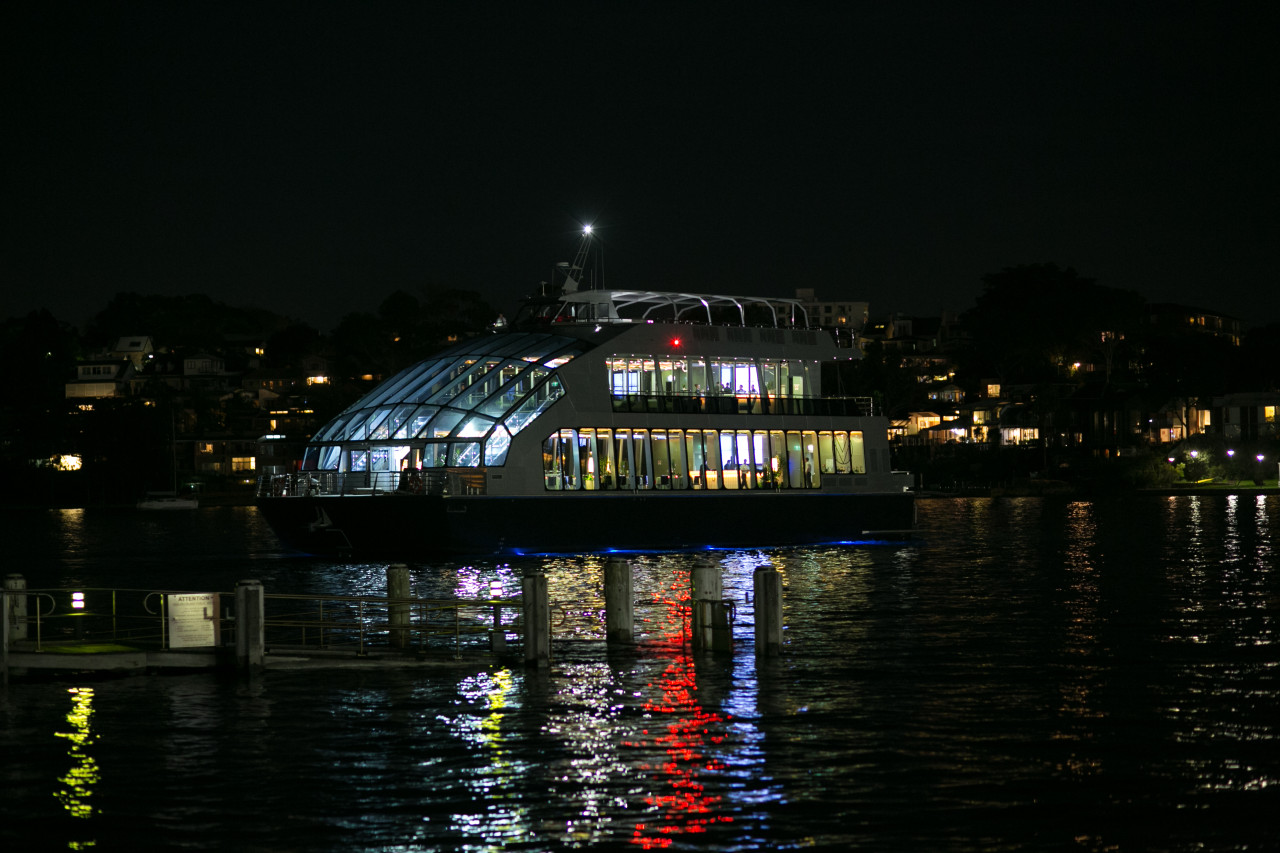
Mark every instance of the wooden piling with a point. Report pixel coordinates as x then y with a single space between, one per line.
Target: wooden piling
537 620
398 607
768 597
711 626
250 626
619 602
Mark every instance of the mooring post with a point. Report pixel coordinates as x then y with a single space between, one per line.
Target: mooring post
250 626
398 593
16 607
711 631
768 591
537 619
619 602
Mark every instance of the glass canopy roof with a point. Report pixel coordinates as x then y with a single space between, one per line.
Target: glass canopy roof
479 392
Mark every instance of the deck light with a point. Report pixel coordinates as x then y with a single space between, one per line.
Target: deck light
77 601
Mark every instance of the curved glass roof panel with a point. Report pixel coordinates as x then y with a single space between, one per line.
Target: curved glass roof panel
465 392
442 424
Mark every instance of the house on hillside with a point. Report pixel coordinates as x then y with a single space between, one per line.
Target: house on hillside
1244 417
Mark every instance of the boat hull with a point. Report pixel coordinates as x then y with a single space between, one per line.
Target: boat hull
423 527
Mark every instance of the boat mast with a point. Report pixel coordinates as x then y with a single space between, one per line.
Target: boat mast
574 273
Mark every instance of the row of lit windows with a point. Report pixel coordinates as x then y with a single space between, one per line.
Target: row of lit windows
694 375
611 459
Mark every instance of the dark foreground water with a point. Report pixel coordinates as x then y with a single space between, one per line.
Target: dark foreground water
1032 675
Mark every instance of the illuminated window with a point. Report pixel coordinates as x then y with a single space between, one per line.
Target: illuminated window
243 463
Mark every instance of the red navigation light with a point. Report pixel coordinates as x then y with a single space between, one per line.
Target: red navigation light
675 342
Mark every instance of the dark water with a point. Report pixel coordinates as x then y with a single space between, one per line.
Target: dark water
1031 675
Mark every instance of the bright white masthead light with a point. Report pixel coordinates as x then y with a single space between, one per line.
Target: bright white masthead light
586 229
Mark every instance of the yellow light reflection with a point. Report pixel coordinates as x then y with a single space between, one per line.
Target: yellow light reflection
83 774
503 821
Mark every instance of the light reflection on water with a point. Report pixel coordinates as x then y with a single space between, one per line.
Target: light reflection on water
1033 674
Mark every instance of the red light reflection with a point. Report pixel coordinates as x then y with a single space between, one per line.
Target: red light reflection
685 807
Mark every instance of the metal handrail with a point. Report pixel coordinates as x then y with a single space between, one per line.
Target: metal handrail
372 616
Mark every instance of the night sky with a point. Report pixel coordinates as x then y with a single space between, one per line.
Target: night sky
312 158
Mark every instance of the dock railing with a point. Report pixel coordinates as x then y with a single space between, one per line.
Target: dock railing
87 619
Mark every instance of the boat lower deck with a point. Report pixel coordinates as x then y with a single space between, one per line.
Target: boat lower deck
417 526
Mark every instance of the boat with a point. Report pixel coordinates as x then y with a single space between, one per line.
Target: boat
168 500
604 420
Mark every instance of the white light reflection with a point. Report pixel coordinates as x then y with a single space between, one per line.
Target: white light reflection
503 820
1231 540
1263 548
588 727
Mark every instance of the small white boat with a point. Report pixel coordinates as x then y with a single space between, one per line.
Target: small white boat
169 500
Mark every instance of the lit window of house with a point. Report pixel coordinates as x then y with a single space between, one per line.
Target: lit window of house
242 463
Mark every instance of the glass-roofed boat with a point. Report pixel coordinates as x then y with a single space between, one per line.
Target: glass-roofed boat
603 420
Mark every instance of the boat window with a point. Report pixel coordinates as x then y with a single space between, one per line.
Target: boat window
379 459
466 387
555 451
377 424
778 458
812 469
474 427
418 422
516 379
535 404
464 454
442 424
675 446
698 376
826 453
760 457
495 449
857 457
661 460
626 462
390 391
605 466
359 460
641 460
585 454
435 454
400 419
729 458
709 468
330 458
742 452
334 429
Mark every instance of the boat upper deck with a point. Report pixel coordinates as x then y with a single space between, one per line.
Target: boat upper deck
647 306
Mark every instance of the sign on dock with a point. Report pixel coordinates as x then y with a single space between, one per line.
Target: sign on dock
192 619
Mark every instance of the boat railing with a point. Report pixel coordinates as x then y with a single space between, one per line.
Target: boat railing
743 404
412 481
